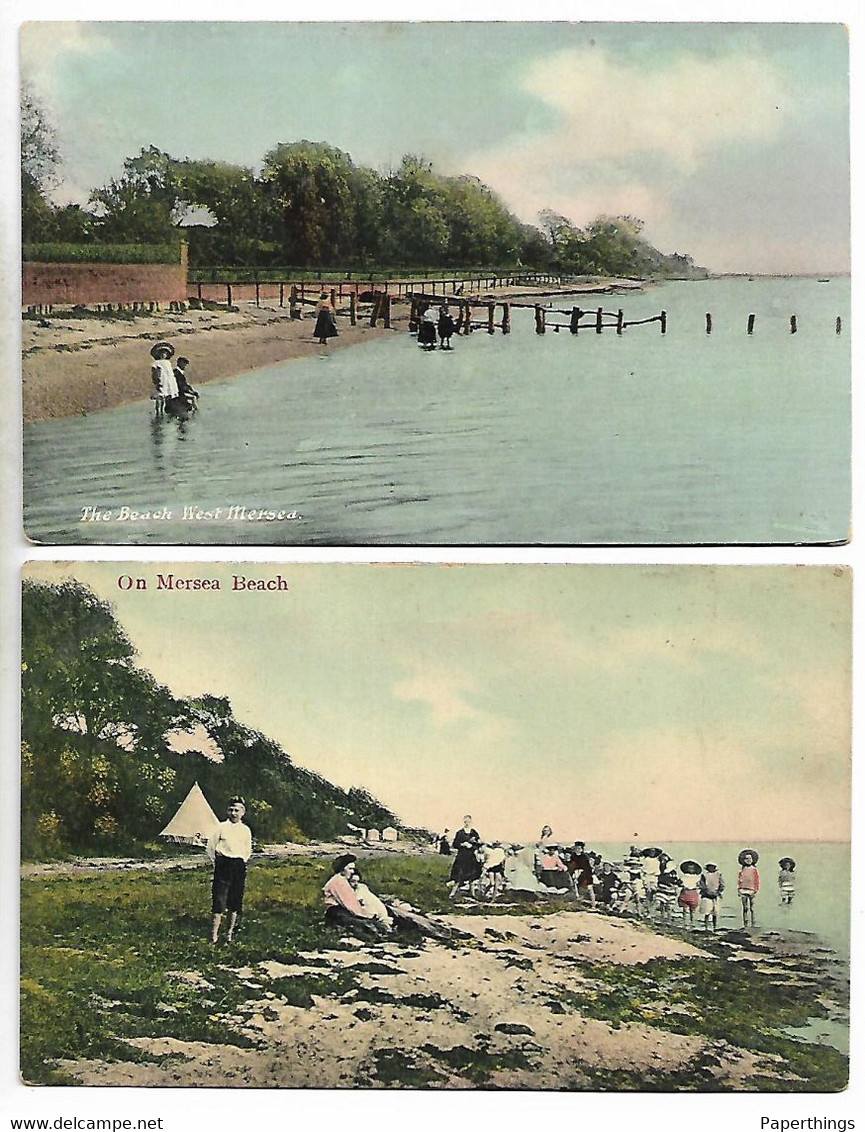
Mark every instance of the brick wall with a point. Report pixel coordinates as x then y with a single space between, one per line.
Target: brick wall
89 284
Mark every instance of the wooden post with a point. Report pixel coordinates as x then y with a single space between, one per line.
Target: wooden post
352 308
386 302
491 316
282 294
663 322
751 318
599 320
199 292
620 321
467 323
302 290
333 297
461 317
506 318
838 324
413 317
708 323
376 300
540 320
793 326
576 315
228 293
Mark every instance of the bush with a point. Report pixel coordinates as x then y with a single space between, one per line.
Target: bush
101 253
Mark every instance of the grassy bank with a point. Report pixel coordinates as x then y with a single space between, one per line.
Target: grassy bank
111 960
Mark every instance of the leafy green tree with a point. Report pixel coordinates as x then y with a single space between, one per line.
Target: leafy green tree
312 184
40 158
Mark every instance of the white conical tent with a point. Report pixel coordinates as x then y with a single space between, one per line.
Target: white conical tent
194 820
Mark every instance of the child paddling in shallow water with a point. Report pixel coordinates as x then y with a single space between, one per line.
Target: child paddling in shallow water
711 891
748 884
787 880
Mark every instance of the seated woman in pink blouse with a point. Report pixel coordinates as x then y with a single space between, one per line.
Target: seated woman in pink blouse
342 908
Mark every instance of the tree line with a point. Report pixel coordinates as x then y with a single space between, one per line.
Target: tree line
311 206
101 768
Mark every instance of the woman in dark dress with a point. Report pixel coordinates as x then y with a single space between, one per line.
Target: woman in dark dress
466 868
325 321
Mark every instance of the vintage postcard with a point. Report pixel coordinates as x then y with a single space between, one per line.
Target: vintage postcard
594 278
581 828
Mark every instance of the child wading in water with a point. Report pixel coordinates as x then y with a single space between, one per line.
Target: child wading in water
711 890
787 880
748 884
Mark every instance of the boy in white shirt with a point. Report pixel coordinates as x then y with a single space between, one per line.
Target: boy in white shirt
229 847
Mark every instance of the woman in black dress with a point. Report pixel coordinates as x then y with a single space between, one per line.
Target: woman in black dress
466 868
325 321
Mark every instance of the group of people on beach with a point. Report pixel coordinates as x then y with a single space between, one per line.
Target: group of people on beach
647 882
171 389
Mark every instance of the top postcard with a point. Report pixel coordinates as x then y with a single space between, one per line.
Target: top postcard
593 278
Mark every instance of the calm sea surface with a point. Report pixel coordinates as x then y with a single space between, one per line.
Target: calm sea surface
643 438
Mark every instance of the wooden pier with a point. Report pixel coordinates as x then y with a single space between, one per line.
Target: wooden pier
475 309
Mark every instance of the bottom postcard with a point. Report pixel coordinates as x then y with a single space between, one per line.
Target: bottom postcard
422 826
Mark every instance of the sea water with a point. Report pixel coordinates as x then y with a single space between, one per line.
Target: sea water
642 438
819 915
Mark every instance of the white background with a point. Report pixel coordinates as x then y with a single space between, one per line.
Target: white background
196 1109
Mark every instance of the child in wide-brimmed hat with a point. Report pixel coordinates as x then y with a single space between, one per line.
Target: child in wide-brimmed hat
162 375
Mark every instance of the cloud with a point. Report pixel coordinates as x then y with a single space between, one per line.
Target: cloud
622 132
44 45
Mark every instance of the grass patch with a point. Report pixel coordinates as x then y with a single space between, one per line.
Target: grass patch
96 952
478 1065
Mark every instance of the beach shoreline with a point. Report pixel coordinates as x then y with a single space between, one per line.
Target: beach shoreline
78 366
626 1004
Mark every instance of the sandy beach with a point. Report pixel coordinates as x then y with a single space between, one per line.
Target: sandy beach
74 366
486 1012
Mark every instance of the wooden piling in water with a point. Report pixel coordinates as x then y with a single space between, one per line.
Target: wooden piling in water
708 323
228 294
352 308
386 305
838 324
467 317
576 315
491 318
663 321
793 325
599 320
751 320
540 320
620 321
506 318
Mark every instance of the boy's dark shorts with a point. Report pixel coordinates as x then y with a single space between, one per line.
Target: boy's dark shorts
229 878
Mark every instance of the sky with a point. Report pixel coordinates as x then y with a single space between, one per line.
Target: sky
659 703
729 140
